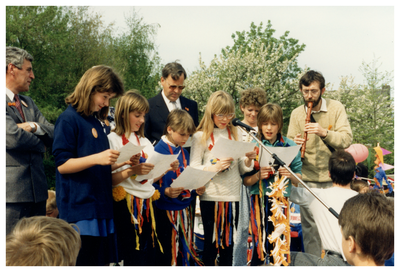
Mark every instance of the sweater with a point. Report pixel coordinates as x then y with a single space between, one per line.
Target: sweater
131 186
225 186
165 202
86 194
315 163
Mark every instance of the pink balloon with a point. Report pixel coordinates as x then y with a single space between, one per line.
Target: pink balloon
358 151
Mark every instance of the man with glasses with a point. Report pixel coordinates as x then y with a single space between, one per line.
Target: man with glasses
27 135
169 98
328 130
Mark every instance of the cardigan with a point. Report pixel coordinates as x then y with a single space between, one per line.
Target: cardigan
86 194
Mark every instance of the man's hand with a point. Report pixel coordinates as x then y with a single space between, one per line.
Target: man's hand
25 126
315 128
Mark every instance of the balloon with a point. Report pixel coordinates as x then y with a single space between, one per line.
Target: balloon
358 151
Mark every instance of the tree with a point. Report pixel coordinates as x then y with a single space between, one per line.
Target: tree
238 70
370 109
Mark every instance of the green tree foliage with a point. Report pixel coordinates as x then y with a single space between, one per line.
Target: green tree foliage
370 109
66 41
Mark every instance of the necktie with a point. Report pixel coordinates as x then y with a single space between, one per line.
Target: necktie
18 106
174 106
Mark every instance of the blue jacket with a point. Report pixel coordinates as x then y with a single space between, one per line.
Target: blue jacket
87 194
165 202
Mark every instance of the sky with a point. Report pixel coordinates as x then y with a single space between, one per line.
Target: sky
338 39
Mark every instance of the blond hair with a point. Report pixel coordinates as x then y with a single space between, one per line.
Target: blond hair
180 120
219 102
129 102
51 203
270 112
42 241
100 79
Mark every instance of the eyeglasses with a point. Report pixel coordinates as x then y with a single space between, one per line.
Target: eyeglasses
313 92
222 116
173 87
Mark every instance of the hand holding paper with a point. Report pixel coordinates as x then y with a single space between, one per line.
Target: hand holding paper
192 178
161 164
127 151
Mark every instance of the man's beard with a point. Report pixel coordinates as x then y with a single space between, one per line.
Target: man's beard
315 103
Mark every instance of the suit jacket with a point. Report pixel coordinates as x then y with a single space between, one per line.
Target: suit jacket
25 176
156 118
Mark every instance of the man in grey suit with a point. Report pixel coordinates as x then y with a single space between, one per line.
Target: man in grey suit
27 135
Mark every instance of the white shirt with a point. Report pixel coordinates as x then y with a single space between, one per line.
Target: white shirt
170 104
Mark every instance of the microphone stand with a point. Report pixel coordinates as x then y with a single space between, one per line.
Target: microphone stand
281 163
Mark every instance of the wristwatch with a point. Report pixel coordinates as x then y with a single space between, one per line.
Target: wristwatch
33 126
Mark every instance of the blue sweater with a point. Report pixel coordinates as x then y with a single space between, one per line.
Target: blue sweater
295 166
87 194
165 202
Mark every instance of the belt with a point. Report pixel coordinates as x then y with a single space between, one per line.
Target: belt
333 253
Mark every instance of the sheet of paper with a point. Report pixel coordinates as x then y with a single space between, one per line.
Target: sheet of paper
192 178
127 151
225 148
286 154
161 164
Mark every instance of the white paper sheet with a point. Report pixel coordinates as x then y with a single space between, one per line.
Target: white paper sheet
192 178
225 148
286 154
127 151
161 164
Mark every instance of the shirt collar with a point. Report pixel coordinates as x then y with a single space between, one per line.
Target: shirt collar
10 94
168 102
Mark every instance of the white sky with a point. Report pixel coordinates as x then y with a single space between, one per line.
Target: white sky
337 38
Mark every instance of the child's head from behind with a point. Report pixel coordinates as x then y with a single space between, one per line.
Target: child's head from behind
179 127
367 225
42 241
342 167
251 100
94 90
51 204
270 121
359 185
130 111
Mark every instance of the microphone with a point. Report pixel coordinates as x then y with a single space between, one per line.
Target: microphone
236 122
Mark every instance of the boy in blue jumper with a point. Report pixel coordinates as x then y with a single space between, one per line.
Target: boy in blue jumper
173 209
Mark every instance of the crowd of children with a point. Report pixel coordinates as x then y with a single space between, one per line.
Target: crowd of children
116 218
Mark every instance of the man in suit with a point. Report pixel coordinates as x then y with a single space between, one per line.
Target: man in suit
168 99
27 135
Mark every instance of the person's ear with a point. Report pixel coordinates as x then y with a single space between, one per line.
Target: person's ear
169 130
351 243
322 91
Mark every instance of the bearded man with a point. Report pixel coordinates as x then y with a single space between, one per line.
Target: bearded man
328 130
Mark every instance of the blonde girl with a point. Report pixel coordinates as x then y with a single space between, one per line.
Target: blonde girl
84 159
219 203
133 200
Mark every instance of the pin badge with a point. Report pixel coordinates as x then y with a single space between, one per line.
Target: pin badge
24 103
94 132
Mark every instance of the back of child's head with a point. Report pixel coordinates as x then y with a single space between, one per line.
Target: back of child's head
359 185
342 167
369 219
51 204
180 121
129 102
270 112
99 78
253 97
42 241
361 170
219 102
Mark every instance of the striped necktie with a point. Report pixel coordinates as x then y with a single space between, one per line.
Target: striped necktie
18 106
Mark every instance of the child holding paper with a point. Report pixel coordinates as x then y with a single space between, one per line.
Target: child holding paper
219 204
173 209
133 200
270 122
